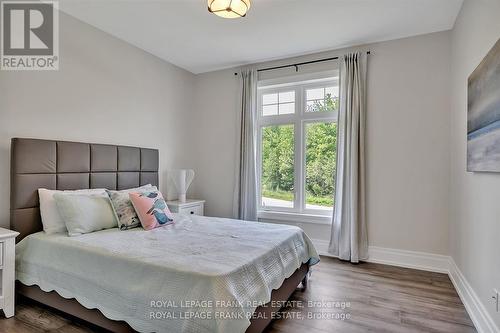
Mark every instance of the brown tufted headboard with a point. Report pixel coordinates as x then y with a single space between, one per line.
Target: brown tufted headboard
62 165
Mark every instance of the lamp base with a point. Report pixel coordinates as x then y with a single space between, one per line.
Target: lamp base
182 197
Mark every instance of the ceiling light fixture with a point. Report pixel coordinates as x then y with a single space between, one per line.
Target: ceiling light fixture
229 8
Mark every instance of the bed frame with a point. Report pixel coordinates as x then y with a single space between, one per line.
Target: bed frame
64 165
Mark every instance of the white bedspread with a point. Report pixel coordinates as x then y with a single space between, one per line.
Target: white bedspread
197 272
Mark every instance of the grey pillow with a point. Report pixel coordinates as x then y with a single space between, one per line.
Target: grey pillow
125 212
85 213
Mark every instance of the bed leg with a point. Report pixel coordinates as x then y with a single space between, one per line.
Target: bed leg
305 281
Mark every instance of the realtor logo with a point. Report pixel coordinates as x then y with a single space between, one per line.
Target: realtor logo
29 35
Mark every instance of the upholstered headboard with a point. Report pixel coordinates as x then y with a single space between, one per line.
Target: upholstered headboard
62 165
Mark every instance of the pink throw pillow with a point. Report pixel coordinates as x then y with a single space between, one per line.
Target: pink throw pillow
151 209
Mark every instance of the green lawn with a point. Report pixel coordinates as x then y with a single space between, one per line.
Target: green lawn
282 195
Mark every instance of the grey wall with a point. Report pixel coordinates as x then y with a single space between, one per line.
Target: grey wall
408 142
215 140
106 91
475 208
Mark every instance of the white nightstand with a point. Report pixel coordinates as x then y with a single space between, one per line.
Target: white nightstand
7 270
189 207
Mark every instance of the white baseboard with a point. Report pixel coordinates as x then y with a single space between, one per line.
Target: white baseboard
475 308
434 263
409 259
394 257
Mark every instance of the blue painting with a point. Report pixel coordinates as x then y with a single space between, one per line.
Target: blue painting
483 114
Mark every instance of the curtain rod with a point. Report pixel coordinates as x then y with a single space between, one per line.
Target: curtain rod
296 65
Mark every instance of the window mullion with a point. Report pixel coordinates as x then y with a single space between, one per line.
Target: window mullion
299 150
259 165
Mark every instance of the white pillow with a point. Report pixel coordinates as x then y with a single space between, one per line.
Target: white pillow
85 213
51 219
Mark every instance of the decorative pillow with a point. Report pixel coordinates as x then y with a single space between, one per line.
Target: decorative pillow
151 209
85 213
125 213
51 219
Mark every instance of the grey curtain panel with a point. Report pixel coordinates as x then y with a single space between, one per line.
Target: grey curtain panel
245 205
349 239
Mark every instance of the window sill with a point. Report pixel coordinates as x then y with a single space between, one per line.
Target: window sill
294 217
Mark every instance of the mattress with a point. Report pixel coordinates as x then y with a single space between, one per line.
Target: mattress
200 274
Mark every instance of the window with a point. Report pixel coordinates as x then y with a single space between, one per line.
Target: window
278 103
322 99
320 155
297 146
278 179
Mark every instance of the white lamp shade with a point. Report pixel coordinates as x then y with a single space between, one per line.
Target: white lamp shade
229 8
182 178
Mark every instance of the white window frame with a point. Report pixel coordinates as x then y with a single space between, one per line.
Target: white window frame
299 213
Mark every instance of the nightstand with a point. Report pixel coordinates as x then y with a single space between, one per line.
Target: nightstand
189 207
7 270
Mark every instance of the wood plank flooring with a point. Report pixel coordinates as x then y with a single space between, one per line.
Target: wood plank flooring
341 296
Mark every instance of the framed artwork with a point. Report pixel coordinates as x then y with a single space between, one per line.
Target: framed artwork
483 114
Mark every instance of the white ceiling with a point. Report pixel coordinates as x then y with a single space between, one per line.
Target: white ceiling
184 33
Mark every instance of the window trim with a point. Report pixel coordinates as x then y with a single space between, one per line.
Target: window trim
298 119
274 215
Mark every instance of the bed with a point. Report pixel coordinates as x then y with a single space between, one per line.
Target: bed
200 274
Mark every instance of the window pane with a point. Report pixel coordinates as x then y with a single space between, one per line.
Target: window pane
277 166
287 108
315 93
285 97
315 105
331 104
269 99
332 98
322 99
270 110
332 91
321 155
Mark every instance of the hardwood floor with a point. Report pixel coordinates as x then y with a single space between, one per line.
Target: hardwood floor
343 297
382 299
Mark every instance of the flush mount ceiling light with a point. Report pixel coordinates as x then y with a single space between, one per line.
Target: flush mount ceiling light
229 8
